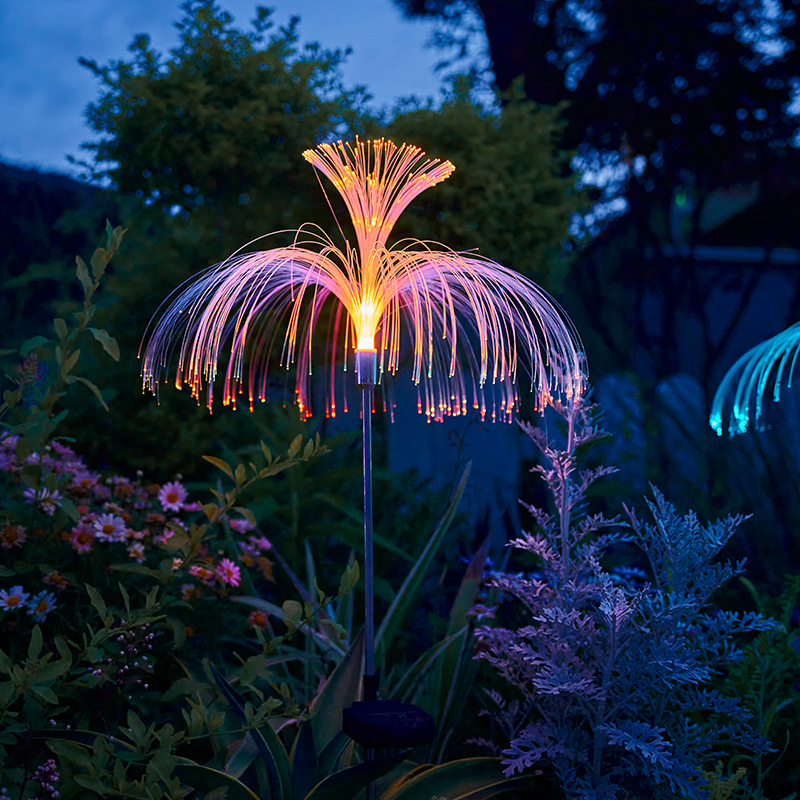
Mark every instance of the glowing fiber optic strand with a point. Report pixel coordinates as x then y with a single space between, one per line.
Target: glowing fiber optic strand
769 364
472 323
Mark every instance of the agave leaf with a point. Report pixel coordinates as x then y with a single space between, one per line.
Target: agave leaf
455 670
272 751
305 765
465 779
329 756
242 757
404 688
406 595
342 688
347 783
208 779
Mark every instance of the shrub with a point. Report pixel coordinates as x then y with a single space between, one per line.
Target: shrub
612 667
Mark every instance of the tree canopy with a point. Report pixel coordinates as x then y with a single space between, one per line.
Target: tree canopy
672 86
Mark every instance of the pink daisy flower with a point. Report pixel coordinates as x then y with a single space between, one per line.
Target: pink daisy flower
258 619
229 573
12 536
82 536
203 573
172 496
136 552
110 528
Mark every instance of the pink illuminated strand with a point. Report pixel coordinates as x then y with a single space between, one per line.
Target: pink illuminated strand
468 320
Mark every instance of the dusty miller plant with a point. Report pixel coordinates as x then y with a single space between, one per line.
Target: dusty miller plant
612 668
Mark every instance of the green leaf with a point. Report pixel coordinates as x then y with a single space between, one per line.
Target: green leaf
5 572
294 447
395 617
240 476
32 343
97 601
67 366
109 342
100 259
242 757
341 689
207 779
305 767
292 611
220 464
46 694
349 782
35 644
465 779
272 751
12 398
61 329
82 272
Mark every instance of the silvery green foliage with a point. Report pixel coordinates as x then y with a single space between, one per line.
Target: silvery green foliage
612 668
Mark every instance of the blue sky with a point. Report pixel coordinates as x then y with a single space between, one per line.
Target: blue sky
44 91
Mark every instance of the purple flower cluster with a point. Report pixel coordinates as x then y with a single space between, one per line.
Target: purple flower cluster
116 518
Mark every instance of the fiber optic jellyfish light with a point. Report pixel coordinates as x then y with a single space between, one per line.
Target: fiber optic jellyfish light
471 324
768 366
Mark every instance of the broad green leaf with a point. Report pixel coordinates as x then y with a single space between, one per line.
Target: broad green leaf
97 601
294 447
5 572
82 272
45 693
347 783
86 382
405 598
220 464
242 757
12 398
207 779
35 644
60 328
68 365
273 753
340 690
99 262
292 611
240 476
109 342
465 779
305 765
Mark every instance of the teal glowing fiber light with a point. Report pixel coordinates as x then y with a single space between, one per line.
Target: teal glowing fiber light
769 364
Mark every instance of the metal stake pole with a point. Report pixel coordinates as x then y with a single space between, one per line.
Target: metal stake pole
366 376
370 688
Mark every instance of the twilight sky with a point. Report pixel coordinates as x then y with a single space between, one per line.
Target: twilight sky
44 91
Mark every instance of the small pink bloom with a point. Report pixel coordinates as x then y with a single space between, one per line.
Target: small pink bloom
82 536
203 573
12 536
172 496
258 619
136 552
229 573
